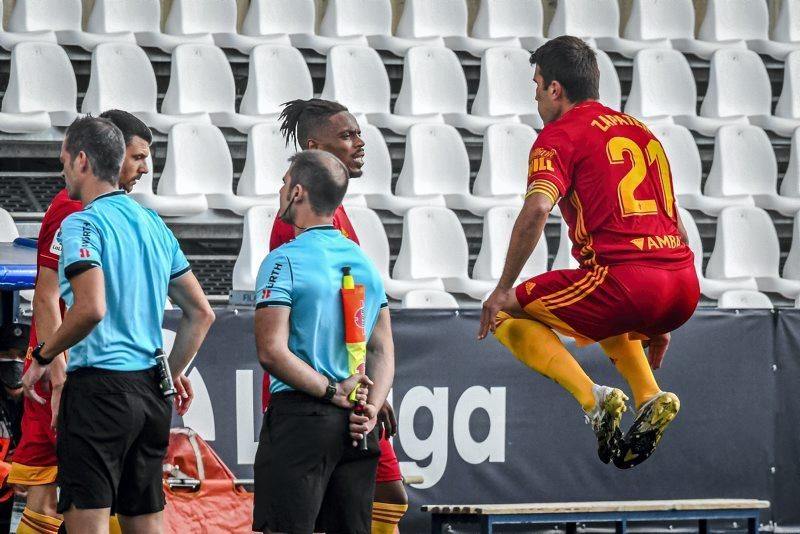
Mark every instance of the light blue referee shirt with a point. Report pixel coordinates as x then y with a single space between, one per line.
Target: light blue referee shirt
306 276
139 256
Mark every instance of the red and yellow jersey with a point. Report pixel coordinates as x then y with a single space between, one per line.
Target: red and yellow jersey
283 232
611 179
48 249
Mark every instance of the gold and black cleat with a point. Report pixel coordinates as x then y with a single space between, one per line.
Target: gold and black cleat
652 420
605 420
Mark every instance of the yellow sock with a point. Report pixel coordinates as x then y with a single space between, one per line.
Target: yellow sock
33 523
538 347
629 358
113 525
385 517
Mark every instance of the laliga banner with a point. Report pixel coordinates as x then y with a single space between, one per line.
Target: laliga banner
480 427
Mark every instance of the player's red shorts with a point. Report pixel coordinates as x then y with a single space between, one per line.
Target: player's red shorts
34 461
594 304
388 467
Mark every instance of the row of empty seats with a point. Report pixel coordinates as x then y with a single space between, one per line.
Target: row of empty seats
42 90
745 257
737 24
198 172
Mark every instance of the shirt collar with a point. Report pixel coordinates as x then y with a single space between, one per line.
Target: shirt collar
105 195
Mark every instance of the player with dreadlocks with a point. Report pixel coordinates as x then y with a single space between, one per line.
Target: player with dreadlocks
329 126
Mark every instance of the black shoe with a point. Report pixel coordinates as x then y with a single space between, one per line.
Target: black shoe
641 440
605 419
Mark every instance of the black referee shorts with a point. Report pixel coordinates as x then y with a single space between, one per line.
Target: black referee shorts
113 433
308 476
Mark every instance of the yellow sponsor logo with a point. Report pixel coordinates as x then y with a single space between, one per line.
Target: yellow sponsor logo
657 242
529 287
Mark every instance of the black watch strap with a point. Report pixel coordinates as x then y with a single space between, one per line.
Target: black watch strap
36 354
330 392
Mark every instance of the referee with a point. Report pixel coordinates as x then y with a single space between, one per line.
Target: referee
309 475
118 263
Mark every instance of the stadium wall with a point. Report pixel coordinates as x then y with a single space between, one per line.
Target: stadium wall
480 427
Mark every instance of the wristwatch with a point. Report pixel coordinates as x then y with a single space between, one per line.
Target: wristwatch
330 392
36 354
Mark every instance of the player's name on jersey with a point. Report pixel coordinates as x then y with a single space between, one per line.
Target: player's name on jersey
657 242
604 122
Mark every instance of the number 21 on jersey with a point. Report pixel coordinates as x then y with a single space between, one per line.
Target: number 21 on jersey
616 149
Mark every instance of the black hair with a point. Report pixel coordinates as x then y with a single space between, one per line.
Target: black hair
572 63
129 124
302 117
101 141
323 176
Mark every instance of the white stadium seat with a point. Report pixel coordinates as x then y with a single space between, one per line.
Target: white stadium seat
265 164
258 222
787 25
199 162
40 80
710 287
747 245
122 77
163 204
791 269
375 184
662 87
298 19
598 19
686 170
739 299
346 21
8 39
434 84
610 90
504 162
436 163
787 113
728 20
355 76
673 20
497 226
790 185
434 246
447 18
8 229
215 95
506 88
429 299
217 18
143 17
738 87
276 74
564 258
351 21
421 24
744 164
372 237
64 18
523 19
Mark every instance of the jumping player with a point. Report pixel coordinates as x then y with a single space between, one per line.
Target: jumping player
329 126
636 280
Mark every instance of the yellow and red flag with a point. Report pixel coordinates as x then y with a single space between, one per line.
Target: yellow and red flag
355 336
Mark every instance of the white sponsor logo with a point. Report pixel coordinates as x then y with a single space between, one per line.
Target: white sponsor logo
55 246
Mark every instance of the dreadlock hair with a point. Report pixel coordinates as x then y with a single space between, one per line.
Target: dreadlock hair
302 117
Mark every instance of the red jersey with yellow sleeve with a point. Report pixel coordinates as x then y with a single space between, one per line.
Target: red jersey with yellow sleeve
611 179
